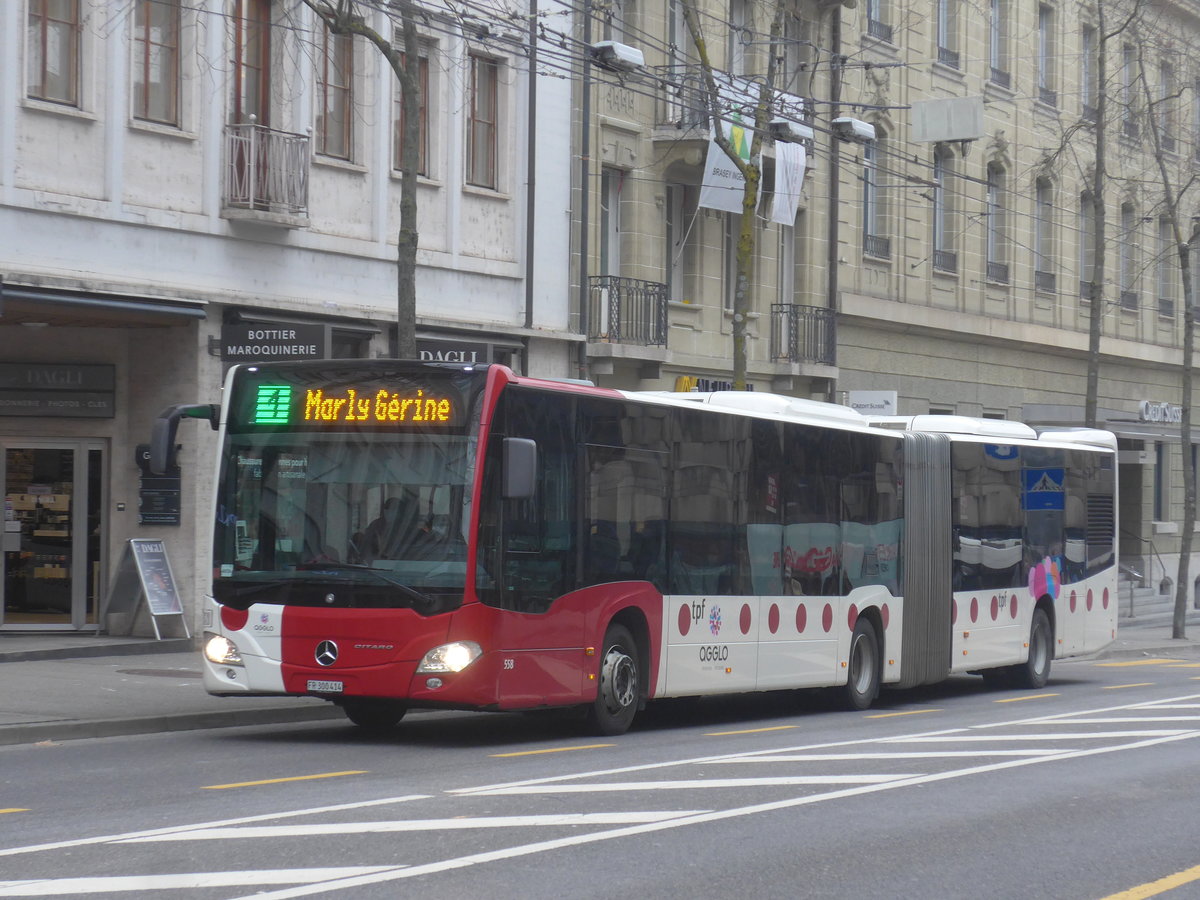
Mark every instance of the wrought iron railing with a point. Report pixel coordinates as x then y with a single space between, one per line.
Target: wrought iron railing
997 272
881 30
1166 307
1085 289
1001 77
1129 300
266 169
803 334
877 246
1090 113
627 311
1049 96
1045 282
945 260
948 57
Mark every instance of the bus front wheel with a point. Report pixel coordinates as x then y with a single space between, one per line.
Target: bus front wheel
373 714
862 676
619 691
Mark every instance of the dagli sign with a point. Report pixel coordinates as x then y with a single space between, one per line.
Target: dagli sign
1169 413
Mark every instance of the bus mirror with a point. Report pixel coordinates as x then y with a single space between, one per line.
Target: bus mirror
520 468
162 434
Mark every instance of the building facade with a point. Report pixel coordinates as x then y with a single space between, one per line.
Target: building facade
944 265
188 185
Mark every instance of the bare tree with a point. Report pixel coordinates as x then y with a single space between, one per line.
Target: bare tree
1177 188
751 170
351 17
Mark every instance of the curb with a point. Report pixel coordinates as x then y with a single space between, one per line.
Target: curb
180 645
94 728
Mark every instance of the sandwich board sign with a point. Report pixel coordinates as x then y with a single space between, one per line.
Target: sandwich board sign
144 575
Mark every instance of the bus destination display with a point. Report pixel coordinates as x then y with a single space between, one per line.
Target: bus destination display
285 404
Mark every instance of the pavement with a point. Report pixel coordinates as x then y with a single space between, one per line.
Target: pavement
57 687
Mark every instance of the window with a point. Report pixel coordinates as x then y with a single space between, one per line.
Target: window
1127 260
998 44
1161 482
1166 269
681 240
251 63
482 123
947 32
944 257
1045 56
422 120
52 60
997 224
335 94
1087 244
797 55
1128 76
1087 77
617 19
1167 124
156 61
739 35
1044 278
611 181
878 25
875 240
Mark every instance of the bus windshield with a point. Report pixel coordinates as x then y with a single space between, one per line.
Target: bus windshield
342 516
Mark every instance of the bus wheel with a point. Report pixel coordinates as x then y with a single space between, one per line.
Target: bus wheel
619 691
1035 671
373 714
862 677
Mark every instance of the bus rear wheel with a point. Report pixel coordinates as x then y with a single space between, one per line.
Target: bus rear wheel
1035 671
619 691
373 714
862 676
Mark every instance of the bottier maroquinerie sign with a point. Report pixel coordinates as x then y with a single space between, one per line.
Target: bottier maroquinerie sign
258 342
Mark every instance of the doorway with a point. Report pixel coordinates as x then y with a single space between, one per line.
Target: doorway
52 566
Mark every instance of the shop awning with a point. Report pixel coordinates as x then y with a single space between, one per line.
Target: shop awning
25 305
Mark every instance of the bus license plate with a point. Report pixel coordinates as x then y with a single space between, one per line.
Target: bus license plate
326 687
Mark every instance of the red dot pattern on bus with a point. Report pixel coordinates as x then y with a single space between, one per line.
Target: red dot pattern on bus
801 618
773 618
851 616
744 620
685 619
1089 600
827 617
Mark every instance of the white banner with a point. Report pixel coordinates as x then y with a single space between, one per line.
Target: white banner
790 162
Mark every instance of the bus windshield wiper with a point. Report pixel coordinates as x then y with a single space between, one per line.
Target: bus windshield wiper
382 574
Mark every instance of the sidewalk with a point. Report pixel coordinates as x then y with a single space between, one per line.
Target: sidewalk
55 688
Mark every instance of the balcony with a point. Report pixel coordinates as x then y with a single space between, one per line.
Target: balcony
1049 96
1046 282
1129 128
803 334
948 57
266 175
997 272
681 102
627 311
1000 77
880 30
1129 301
1166 307
945 261
877 247
1090 113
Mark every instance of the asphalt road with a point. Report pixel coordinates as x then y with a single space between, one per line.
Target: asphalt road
1084 790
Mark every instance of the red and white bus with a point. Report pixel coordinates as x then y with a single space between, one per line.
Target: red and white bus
395 535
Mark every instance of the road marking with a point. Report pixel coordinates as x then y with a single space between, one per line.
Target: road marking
694 784
244 832
13 810
1125 663
1184 666
1117 720
750 731
550 750
1121 687
47 887
853 757
1038 696
910 712
1154 888
510 853
241 784
264 817
1047 736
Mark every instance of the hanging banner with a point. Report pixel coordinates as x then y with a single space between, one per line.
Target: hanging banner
790 161
724 186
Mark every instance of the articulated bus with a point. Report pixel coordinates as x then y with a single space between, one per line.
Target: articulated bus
396 535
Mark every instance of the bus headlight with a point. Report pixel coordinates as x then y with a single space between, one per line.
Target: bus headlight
450 657
221 650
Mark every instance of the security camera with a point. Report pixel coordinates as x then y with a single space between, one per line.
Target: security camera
790 132
617 56
853 131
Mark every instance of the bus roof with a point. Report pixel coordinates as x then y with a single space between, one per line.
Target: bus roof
761 403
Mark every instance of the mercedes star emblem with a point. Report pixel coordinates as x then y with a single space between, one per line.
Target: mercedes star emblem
326 653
